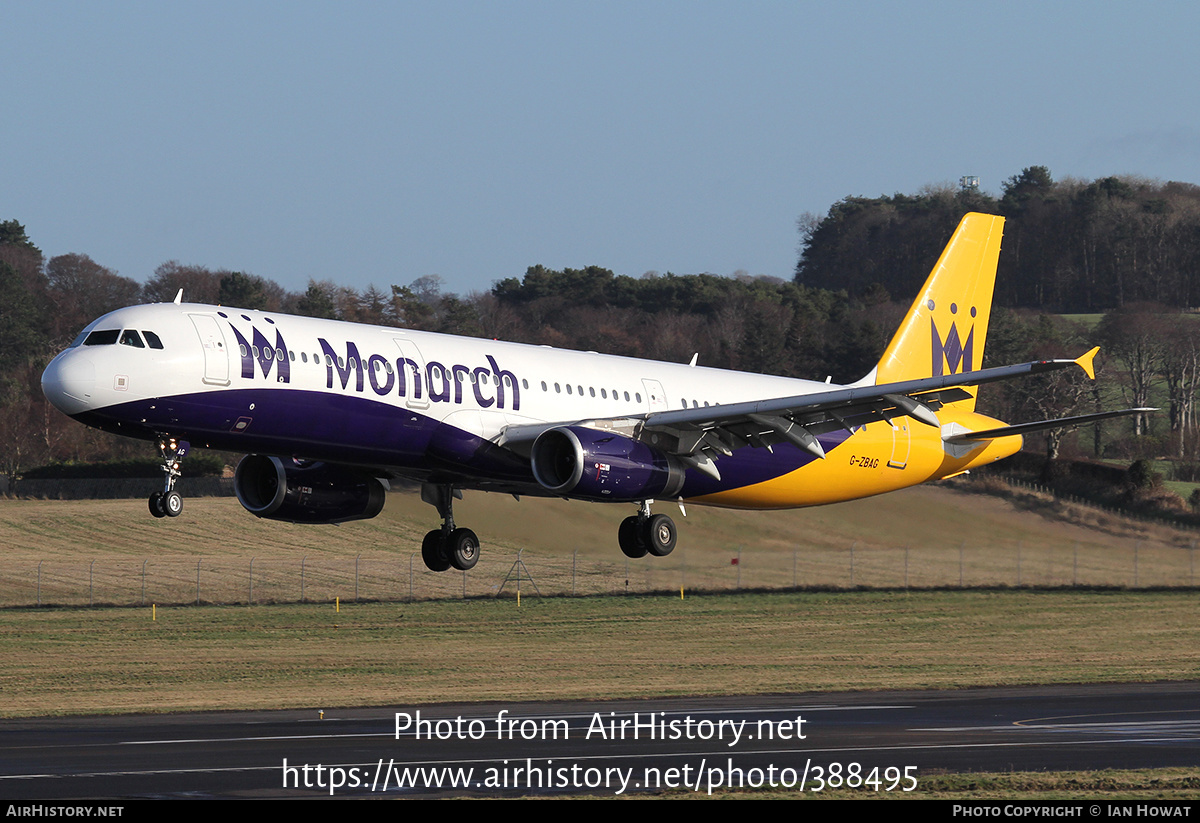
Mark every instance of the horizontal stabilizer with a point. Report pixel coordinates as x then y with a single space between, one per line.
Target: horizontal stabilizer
1043 425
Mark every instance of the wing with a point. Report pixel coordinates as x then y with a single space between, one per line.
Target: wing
700 436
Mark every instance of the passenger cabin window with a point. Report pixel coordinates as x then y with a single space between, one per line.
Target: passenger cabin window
102 338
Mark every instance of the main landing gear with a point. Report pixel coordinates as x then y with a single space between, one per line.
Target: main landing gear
447 546
450 546
647 533
168 502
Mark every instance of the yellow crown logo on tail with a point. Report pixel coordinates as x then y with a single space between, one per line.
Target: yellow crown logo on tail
945 329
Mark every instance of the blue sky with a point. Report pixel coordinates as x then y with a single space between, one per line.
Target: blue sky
381 142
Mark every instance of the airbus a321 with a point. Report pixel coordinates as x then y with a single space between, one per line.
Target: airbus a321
327 412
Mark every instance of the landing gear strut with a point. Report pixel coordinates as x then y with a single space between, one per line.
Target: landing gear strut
168 502
447 546
646 533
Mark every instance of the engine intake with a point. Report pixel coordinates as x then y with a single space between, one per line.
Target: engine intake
311 493
575 461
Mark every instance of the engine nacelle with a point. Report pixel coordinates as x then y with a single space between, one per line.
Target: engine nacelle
575 461
312 493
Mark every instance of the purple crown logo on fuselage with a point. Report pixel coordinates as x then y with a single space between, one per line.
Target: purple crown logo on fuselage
260 350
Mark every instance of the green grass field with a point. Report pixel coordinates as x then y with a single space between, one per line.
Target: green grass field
634 638
638 639
311 656
79 553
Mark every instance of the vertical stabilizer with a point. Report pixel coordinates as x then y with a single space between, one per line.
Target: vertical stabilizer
946 327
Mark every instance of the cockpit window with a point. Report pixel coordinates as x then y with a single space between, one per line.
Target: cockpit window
129 337
153 340
106 337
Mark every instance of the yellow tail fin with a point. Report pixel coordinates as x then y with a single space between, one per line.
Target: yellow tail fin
946 327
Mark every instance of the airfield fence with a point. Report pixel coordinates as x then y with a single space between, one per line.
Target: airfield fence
260 580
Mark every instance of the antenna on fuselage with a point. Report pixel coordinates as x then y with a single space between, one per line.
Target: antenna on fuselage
178 297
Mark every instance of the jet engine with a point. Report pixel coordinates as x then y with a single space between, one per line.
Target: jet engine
306 493
575 461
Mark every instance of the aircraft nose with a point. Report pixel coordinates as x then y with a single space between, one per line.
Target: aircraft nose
69 382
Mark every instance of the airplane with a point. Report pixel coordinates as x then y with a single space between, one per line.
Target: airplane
328 412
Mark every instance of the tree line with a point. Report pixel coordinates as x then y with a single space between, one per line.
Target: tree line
1070 246
859 265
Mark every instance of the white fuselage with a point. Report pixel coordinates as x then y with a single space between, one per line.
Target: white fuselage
231 378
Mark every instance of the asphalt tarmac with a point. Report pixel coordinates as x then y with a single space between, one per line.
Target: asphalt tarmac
876 742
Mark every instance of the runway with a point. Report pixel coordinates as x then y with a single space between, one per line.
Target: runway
872 741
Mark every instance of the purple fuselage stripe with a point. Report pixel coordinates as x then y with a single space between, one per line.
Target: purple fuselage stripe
360 431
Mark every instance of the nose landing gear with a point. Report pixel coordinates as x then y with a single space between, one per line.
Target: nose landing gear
168 502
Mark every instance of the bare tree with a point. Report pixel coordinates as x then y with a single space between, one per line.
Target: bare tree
1181 368
1134 339
80 289
200 285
